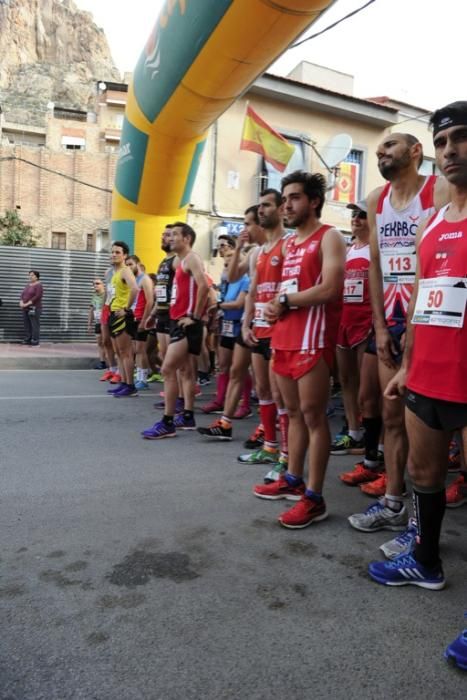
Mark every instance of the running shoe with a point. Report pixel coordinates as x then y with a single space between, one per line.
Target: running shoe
155 377
456 652
403 543
242 412
101 364
330 410
204 381
375 488
277 471
106 376
379 517
456 493
198 391
406 570
159 431
212 407
343 431
261 456
219 430
304 513
454 459
126 390
116 389
182 423
346 445
256 439
279 489
142 385
359 475
116 378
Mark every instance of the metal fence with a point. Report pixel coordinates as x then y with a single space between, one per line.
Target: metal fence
67 277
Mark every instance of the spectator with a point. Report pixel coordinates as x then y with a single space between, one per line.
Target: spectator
94 318
31 305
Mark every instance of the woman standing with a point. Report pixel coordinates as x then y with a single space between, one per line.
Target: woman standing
31 306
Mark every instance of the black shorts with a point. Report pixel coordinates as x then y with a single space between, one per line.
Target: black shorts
396 333
263 347
437 414
163 324
141 335
193 333
97 328
122 324
227 342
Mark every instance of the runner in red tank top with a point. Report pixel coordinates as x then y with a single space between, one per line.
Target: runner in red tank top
306 313
434 366
142 311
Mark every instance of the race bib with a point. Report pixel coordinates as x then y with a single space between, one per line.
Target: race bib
260 321
110 294
353 291
398 268
97 315
228 329
173 297
440 303
161 293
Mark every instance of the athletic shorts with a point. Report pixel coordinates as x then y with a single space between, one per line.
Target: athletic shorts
122 324
97 328
141 335
105 315
435 413
163 324
294 364
349 336
263 348
396 333
227 342
193 333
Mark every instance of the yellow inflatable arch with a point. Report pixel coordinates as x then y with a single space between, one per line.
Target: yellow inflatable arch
200 57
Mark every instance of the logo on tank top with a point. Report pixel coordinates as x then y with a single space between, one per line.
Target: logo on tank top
450 236
275 260
399 229
312 247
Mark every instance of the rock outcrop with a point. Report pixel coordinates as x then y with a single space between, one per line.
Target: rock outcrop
49 51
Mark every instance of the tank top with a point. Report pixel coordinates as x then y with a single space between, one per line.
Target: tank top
396 231
120 292
140 302
309 328
357 304
438 366
268 280
184 292
165 278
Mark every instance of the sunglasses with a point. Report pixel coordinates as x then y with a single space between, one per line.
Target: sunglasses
359 214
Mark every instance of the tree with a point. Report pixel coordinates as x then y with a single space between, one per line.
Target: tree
13 231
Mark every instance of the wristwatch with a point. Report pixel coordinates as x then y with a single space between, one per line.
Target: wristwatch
284 300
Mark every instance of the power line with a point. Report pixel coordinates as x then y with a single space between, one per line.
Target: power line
334 24
57 172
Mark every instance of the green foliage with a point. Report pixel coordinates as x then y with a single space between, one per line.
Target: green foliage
13 231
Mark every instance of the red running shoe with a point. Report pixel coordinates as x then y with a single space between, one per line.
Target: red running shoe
106 376
456 493
304 513
359 475
375 488
279 489
116 378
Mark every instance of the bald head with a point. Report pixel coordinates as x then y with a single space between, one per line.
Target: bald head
399 152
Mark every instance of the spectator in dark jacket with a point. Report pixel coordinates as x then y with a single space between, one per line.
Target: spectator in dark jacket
31 306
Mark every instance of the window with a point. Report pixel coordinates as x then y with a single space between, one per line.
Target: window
90 243
348 187
270 177
102 240
429 167
58 240
73 143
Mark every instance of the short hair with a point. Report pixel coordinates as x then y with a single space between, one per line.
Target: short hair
253 210
411 140
168 226
230 239
314 186
123 246
187 231
134 258
276 193
35 272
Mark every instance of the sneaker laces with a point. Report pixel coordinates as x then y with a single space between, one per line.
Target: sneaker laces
407 536
375 508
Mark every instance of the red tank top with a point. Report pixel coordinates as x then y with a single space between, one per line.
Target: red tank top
357 306
268 280
438 366
309 328
140 303
184 293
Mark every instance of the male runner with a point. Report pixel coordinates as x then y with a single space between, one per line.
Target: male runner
142 309
187 305
306 315
435 358
394 213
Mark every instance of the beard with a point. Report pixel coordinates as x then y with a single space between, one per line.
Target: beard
395 165
166 247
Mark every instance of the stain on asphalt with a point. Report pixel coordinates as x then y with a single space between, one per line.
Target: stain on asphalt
57 577
455 533
139 567
12 591
300 547
96 638
300 589
355 562
56 554
127 601
268 523
76 566
21 550
277 604
271 556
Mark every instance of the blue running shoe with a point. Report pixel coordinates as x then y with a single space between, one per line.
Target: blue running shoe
159 431
142 386
126 390
182 423
403 543
456 652
406 570
114 389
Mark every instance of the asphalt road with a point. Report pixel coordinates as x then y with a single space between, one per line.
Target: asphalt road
146 570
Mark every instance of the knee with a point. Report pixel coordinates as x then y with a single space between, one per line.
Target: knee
393 418
312 417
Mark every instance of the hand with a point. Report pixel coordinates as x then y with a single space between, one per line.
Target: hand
249 337
120 313
385 348
21 304
149 323
273 310
396 386
185 321
89 329
243 239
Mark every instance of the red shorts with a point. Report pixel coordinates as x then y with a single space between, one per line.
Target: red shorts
105 315
351 335
296 363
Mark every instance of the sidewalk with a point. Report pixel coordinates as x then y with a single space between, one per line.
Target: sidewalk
48 356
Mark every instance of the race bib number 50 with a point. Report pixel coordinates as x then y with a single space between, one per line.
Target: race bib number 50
440 302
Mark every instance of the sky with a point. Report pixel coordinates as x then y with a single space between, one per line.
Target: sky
411 50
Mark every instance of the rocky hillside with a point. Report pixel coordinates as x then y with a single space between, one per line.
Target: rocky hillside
49 51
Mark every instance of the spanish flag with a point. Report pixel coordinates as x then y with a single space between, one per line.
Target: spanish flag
259 137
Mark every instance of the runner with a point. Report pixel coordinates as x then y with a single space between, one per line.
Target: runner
434 362
123 292
394 213
142 310
94 318
187 305
307 313
112 373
